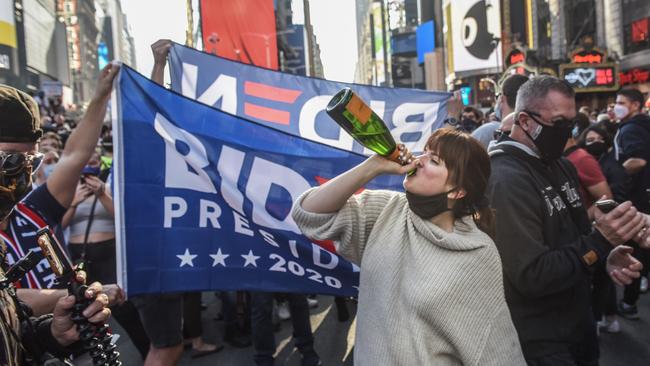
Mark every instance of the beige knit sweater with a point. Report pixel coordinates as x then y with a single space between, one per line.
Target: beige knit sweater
426 296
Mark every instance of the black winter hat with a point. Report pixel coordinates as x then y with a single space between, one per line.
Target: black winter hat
19 116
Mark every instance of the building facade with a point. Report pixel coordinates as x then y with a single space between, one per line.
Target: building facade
116 33
30 56
83 36
596 45
386 43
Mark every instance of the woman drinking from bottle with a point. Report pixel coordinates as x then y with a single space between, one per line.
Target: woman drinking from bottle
431 286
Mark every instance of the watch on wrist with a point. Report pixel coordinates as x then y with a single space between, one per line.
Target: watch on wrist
451 121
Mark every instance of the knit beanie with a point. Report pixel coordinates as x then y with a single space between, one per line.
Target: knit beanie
19 116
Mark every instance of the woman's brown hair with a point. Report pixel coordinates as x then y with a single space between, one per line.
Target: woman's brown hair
468 165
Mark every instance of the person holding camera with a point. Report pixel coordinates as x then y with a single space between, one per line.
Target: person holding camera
23 338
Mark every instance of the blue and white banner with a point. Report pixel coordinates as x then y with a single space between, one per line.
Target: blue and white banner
296 104
203 198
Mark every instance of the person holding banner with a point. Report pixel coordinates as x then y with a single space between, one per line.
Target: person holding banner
23 211
431 289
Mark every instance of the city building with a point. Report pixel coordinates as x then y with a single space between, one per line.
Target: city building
9 66
116 34
388 34
627 28
83 33
298 49
596 45
30 58
373 42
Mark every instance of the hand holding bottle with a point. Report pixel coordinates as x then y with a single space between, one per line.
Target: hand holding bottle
379 165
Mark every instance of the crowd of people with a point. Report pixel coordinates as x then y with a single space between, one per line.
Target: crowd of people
503 249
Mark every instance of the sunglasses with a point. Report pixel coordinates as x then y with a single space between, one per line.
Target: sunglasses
561 121
498 133
13 163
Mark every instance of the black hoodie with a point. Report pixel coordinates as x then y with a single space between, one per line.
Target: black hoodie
547 247
633 141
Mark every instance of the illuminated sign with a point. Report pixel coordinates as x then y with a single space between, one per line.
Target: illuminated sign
102 55
640 30
465 93
635 76
5 61
516 57
590 78
587 57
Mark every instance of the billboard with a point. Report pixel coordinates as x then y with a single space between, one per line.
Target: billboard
586 78
7 24
425 39
476 30
230 30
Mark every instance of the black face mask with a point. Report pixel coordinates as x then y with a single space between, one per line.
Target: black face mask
428 207
468 124
596 148
550 140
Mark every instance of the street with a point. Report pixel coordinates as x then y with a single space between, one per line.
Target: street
335 340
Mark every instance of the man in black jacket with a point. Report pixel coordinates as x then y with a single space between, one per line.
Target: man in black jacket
632 151
547 244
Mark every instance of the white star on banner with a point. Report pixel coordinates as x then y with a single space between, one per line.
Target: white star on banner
186 258
219 258
250 258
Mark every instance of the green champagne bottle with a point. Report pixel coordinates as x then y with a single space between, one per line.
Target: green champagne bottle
364 125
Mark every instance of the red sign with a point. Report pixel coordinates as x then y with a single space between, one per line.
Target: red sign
635 76
516 58
640 30
588 58
604 76
242 30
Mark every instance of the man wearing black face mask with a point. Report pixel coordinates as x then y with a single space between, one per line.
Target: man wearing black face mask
24 340
547 244
470 119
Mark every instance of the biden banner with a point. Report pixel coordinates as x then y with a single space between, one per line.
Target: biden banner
203 198
296 104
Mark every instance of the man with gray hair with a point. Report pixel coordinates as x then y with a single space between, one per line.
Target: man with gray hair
547 245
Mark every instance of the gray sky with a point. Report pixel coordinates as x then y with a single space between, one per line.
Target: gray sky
333 20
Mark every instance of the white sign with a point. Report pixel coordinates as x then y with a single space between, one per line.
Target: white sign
52 88
476 34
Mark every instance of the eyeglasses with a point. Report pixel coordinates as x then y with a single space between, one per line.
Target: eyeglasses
12 163
557 121
498 133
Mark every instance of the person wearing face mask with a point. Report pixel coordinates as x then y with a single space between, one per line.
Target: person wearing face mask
632 144
431 290
632 151
547 244
471 119
50 158
24 340
599 144
593 185
504 106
